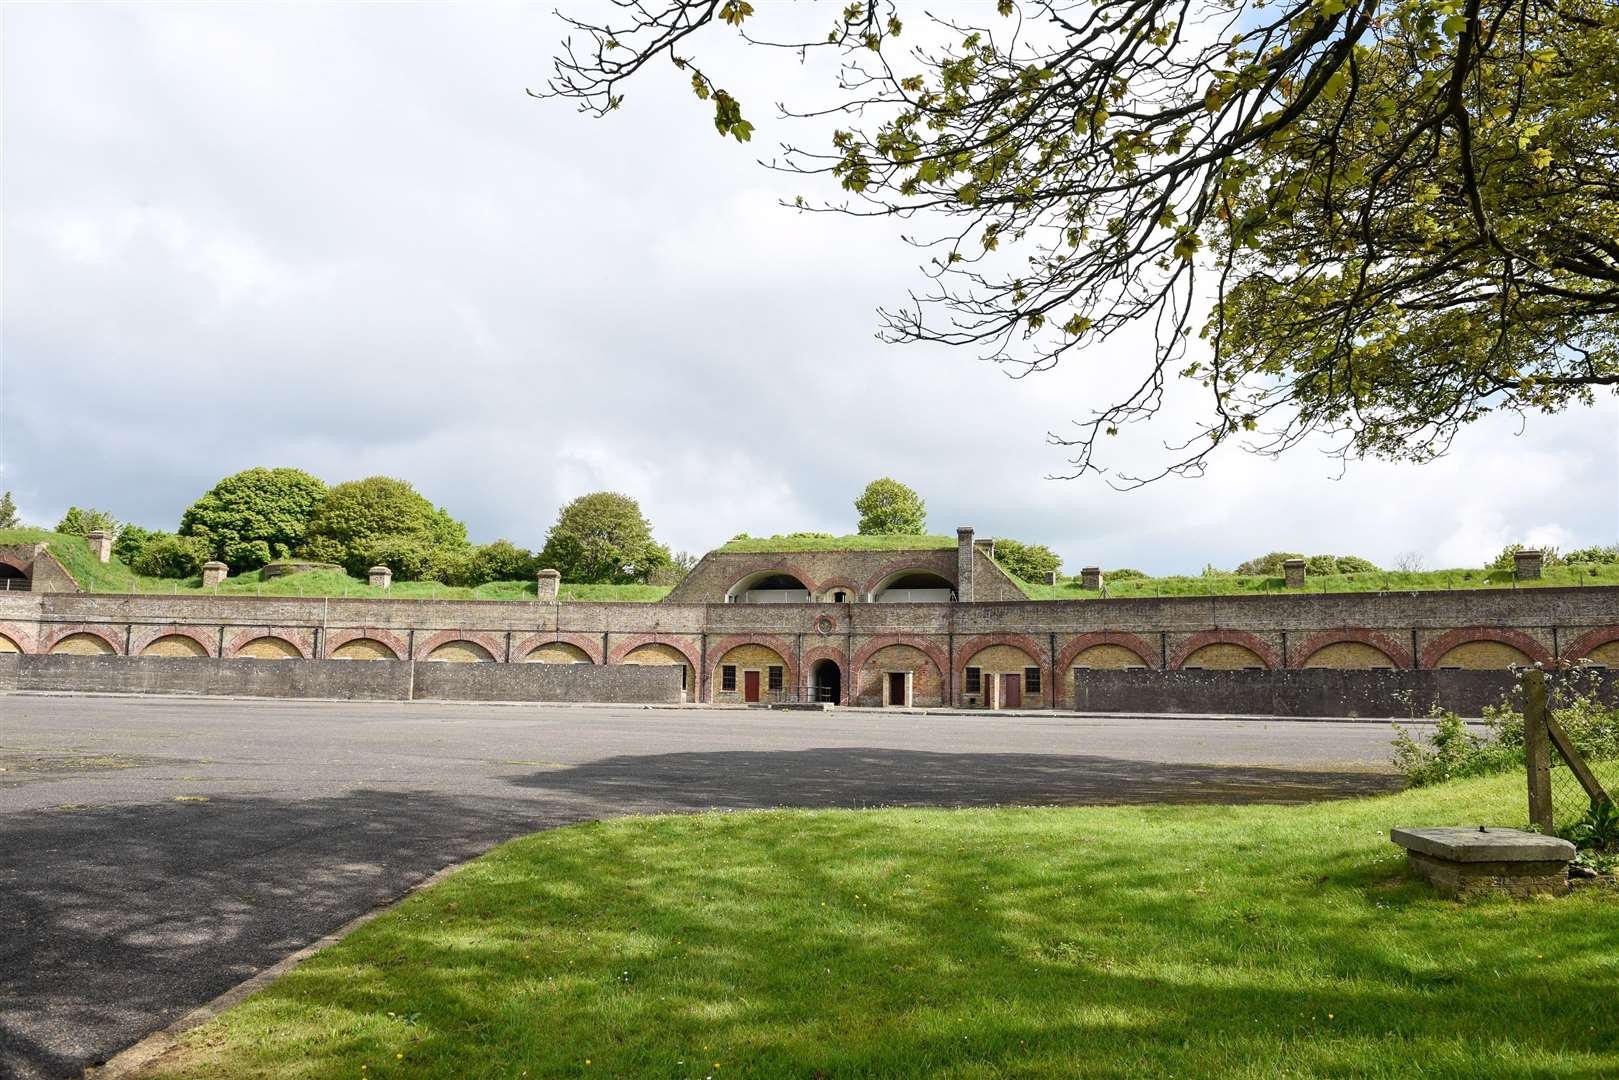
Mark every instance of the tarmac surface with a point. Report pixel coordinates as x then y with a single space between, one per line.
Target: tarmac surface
155 852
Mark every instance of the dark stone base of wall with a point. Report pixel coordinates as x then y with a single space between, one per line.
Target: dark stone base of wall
361 680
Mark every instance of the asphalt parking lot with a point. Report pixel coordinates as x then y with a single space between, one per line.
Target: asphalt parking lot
154 852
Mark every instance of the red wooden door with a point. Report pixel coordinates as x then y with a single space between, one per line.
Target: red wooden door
1011 691
750 686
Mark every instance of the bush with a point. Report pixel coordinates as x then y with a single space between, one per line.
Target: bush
83 522
1268 565
1126 574
1354 564
358 520
1549 556
1031 562
1321 565
603 538
499 561
411 558
166 555
132 540
255 516
889 508
1594 556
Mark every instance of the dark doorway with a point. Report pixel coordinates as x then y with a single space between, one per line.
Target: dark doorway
1011 691
826 682
12 579
896 687
750 686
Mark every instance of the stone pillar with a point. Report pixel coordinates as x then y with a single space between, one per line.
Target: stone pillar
1293 573
964 564
1051 577
379 577
100 544
1090 577
213 572
1526 564
547 584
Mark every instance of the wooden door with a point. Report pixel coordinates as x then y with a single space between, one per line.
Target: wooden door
750 686
1011 691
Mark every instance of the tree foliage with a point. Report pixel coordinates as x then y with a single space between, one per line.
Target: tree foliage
1402 211
362 523
84 521
888 507
1031 562
8 512
166 555
131 541
1549 556
252 517
1270 564
603 538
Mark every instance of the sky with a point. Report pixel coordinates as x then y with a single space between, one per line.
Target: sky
344 238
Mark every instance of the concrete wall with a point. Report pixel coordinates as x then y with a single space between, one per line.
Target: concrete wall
375 680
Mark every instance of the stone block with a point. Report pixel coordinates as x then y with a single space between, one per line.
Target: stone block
213 572
1090 577
1051 577
1526 564
379 577
1293 571
547 584
101 544
1466 861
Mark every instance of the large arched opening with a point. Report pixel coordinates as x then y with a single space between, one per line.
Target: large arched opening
12 579
769 587
914 587
826 682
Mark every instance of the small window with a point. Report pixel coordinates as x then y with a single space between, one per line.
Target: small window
728 677
837 597
974 681
1031 680
775 680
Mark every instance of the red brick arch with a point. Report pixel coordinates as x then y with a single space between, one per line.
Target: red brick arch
790 569
629 644
19 635
112 635
1580 647
1435 650
207 638
1252 642
493 644
970 648
298 639
1133 642
847 584
335 639
921 644
778 645
16 563
903 566
1398 655
589 644
827 652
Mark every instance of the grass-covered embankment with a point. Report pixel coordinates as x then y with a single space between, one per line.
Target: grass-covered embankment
1371 581
1195 941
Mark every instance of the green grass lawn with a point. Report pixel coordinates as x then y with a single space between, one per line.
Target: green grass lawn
841 543
1193 941
1377 581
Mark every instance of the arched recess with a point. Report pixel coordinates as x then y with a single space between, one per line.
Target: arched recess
490 646
370 643
1323 650
931 578
21 640
816 672
178 645
83 642
914 587
830 591
1599 646
900 673
268 647
1195 644
14 576
660 654
722 652
776 585
460 651
1439 652
1011 671
967 650
1104 650
557 652
7 644
588 644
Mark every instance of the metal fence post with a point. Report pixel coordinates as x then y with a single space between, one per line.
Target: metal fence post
1537 750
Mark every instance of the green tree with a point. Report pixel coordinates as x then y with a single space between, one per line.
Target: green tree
1596 554
357 521
252 517
888 507
166 555
1267 565
1549 556
83 522
132 540
8 512
603 538
1031 562
1402 210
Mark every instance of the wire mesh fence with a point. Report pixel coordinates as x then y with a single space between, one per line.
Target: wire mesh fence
1583 759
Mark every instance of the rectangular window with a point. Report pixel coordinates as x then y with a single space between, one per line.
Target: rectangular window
974 681
683 676
1031 680
775 680
728 677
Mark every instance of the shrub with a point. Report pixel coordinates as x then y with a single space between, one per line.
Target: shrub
1321 565
358 520
255 516
166 555
411 558
603 538
1031 562
1126 574
1549 556
499 561
132 540
1354 564
1595 556
84 521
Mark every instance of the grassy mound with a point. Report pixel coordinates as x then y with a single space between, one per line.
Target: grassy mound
1254 941
1375 581
802 542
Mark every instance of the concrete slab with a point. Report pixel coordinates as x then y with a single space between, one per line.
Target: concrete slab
1479 844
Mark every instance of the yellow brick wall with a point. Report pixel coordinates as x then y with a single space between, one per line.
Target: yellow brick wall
1348 654
558 652
7 645
460 652
269 648
760 657
1603 654
1002 658
659 655
1482 656
363 649
82 645
1224 656
174 645
927 682
1108 657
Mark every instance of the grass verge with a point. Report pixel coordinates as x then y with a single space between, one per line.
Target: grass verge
1253 941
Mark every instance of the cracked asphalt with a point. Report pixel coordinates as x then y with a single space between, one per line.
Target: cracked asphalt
154 852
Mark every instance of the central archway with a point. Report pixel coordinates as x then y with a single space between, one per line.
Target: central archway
826 682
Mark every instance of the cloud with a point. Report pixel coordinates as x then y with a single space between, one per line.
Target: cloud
342 237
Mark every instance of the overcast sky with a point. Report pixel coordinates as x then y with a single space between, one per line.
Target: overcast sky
342 238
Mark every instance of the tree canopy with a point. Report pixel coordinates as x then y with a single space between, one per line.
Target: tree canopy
361 523
1031 562
603 538
888 507
252 517
1384 218
8 512
82 521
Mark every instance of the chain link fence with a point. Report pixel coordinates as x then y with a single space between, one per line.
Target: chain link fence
1581 743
